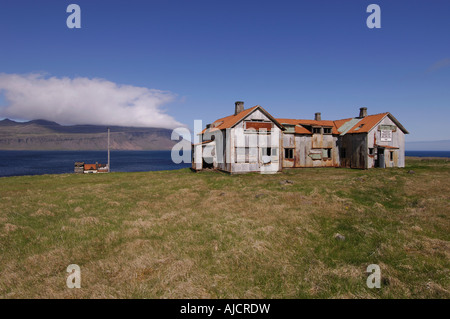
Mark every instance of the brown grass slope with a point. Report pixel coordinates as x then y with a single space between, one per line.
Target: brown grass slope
178 234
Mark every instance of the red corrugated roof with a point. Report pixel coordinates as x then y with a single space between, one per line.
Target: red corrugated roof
367 123
229 121
90 167
363 126
301 130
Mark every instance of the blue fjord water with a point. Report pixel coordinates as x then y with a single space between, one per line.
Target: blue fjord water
16 163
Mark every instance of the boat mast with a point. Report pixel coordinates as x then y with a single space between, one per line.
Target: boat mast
109 169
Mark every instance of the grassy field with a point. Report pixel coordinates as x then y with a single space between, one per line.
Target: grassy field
178 234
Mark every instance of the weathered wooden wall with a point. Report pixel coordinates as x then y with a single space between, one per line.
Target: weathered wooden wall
309 150
355 146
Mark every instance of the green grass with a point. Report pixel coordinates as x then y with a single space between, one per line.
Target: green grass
178 234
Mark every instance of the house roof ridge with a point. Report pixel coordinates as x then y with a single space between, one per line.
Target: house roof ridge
232 115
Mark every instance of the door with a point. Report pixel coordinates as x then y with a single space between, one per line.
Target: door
380 154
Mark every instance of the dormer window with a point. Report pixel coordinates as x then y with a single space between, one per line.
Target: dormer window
289 128
327 130
316 130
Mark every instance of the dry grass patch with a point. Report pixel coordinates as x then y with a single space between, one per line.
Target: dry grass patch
178 234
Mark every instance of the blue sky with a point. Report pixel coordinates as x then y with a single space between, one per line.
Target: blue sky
294 58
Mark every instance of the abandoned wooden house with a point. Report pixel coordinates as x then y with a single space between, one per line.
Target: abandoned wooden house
252 140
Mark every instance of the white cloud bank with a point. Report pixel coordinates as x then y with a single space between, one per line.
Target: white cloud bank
83 101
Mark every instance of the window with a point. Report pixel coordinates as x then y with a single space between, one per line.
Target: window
327 130
274 152
267 152
289 128
316 130
371 151
391 155
326 153
243 155
289 153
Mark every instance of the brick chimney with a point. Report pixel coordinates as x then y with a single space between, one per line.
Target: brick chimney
238 107
362 112
318 116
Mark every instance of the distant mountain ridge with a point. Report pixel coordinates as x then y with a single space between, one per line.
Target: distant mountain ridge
42 134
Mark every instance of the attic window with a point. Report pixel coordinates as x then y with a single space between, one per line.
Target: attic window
316 130
327 130
289 128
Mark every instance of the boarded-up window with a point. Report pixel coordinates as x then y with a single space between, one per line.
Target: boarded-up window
386 136
258 126
252 154
246 155
315 156
240 154
392 128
